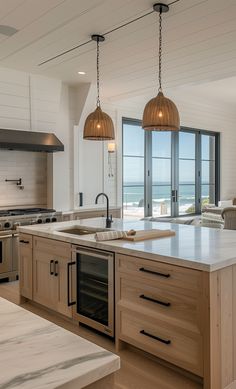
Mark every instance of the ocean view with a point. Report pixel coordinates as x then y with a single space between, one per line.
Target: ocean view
133 198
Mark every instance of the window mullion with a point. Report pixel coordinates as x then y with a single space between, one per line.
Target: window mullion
148 174
198 179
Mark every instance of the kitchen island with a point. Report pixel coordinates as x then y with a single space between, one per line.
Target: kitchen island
175 296
38 354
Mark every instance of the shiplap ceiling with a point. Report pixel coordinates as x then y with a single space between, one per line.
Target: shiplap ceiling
199 42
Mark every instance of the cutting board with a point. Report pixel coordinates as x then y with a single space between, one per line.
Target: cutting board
149 234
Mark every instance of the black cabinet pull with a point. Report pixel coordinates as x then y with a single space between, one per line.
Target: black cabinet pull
24 241
51 270
80 199
69 266
155 337
142 296
56 268
154 272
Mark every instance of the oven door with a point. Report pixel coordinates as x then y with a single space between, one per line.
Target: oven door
94 289
5 252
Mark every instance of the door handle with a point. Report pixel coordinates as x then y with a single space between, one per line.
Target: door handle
165 341
69 266
50 267
174 195
156 273
142 296
5 237
56 268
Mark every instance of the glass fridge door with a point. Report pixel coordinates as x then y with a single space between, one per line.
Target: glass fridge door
92 287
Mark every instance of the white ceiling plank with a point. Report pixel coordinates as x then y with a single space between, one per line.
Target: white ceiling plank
198 42
8 6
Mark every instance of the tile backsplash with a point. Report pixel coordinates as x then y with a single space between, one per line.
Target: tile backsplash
31 167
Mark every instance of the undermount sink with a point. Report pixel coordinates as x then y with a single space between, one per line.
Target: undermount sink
81 230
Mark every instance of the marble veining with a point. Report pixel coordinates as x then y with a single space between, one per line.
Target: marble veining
38 354
199 248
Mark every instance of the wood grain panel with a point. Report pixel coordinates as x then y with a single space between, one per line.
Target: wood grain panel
184 350
183 309
169 275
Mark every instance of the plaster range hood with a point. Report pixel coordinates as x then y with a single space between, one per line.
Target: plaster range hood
29 141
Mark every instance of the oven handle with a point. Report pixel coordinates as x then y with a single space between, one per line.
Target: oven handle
69 266
5 237
94 253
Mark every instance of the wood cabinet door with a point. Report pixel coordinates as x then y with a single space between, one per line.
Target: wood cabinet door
50 274
45 284
26 270
61 274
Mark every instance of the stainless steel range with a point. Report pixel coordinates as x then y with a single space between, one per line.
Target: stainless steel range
10 219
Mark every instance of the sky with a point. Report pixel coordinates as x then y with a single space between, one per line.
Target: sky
133 146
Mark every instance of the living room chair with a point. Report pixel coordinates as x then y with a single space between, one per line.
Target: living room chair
229 216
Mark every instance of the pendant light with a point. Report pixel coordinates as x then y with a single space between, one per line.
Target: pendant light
160 113
98 125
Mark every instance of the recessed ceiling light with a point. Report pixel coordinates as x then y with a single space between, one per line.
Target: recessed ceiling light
7 30
81 73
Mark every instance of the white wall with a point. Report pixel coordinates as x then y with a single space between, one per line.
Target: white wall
37 103
91 174
220 118
203 114
196 113
32 168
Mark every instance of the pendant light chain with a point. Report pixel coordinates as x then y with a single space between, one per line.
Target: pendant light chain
160 113
160 50
98 75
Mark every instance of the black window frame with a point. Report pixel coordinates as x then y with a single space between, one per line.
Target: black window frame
174 177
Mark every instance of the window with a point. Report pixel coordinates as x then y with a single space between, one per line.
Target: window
133 170
208 169
168 174
161 173
187 172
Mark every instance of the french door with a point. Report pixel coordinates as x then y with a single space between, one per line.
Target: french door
168 174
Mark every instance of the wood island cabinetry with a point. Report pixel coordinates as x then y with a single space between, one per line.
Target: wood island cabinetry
43 272
160 310
50 260
26 263
185 316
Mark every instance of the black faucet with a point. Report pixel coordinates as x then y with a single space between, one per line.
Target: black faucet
109 218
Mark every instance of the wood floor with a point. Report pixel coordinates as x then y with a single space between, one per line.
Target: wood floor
138 371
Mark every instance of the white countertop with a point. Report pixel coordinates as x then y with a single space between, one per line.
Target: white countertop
201 248
96 207
36 354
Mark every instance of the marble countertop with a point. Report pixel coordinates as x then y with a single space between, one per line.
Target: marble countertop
38 354
96 207
201 248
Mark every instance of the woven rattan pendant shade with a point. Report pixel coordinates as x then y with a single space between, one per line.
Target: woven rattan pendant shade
99 126
161 114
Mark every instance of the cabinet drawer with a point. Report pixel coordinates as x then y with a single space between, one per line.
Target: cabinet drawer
156 273
182 310
183 349
51 246
26 240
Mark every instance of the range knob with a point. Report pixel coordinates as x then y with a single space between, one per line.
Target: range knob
47 220
54 219
7 225
39 221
